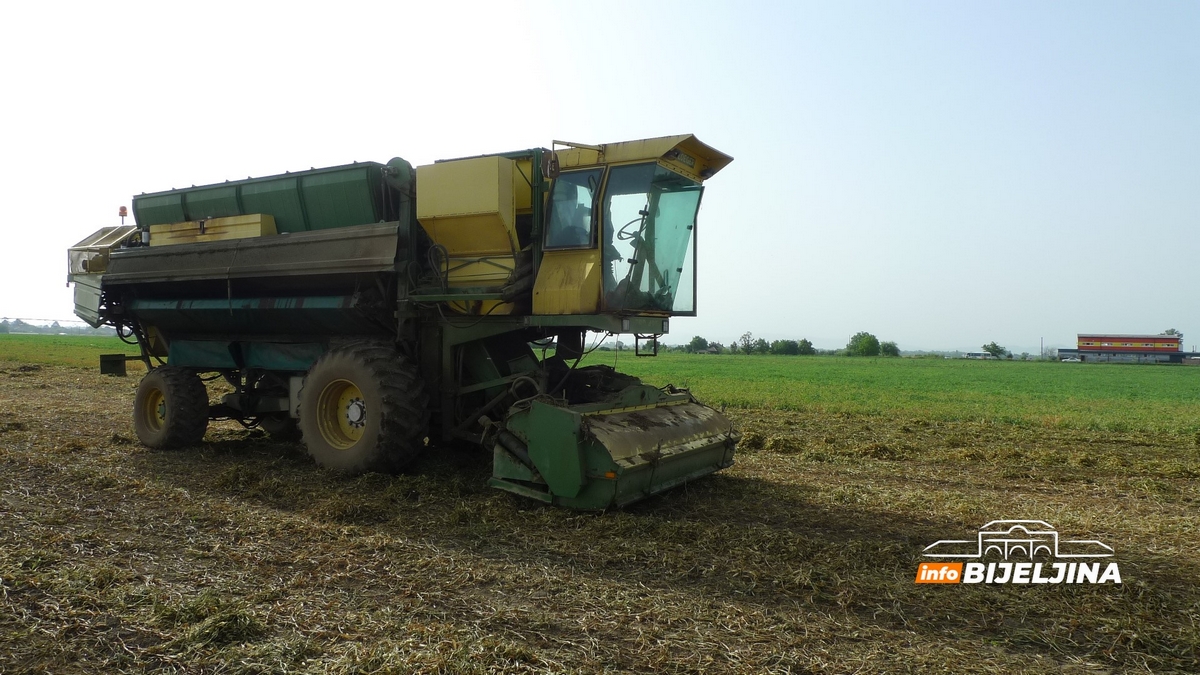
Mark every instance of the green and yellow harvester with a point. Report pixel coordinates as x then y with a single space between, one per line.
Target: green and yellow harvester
374 311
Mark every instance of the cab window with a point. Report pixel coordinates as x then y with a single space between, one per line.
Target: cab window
571 200
649 236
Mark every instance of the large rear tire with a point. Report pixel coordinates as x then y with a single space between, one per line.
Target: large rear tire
363 408
171 408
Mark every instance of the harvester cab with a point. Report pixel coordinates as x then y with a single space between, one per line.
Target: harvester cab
374 309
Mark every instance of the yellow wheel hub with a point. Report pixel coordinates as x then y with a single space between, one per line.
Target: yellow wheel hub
341 414
155 411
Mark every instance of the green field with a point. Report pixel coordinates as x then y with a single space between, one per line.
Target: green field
65 350
1103 397
1098 397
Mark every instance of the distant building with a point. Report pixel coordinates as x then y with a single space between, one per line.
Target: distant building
1116 348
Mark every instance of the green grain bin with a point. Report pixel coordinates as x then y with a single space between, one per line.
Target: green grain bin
319 199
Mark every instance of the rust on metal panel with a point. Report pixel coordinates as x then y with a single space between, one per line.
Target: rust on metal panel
657 430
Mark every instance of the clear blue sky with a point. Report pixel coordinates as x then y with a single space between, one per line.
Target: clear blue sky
939 174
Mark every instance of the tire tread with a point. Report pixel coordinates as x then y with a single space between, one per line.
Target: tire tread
188 408
404 418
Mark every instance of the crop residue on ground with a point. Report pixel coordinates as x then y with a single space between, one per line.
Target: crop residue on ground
242 556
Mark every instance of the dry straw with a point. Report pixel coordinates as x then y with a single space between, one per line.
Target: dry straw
242 556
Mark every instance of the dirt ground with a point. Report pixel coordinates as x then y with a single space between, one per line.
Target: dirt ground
242 556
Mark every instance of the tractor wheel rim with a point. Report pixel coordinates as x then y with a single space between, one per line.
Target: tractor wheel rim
341 414
155 411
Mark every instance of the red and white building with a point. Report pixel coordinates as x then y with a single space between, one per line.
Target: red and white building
1127 348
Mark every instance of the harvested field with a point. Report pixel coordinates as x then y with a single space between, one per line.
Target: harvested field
242 556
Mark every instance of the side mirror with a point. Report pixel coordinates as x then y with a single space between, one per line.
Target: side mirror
550 164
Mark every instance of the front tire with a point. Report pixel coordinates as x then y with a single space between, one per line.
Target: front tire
362 408
171 408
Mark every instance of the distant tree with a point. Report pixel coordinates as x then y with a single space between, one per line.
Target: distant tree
698 344
733 347
995 350
805 348
761 346
747 342
787 347
863 344
1172 331
889 349
1024 356
4 327
620 345
716 346
1049 354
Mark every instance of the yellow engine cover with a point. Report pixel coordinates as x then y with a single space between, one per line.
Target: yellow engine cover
568 282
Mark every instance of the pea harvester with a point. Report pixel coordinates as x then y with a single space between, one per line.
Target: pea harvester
376 311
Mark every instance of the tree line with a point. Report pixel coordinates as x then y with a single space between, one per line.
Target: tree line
19 326
861 344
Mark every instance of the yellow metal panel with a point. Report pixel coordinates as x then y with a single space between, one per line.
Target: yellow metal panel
471 235
695 159
213 229
467 205
684 154
573 157
476 272
641 150
480 271
568 282
482 307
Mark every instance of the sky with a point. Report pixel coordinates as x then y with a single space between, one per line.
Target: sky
940 174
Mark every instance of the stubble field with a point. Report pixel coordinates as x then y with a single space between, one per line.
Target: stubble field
242 556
